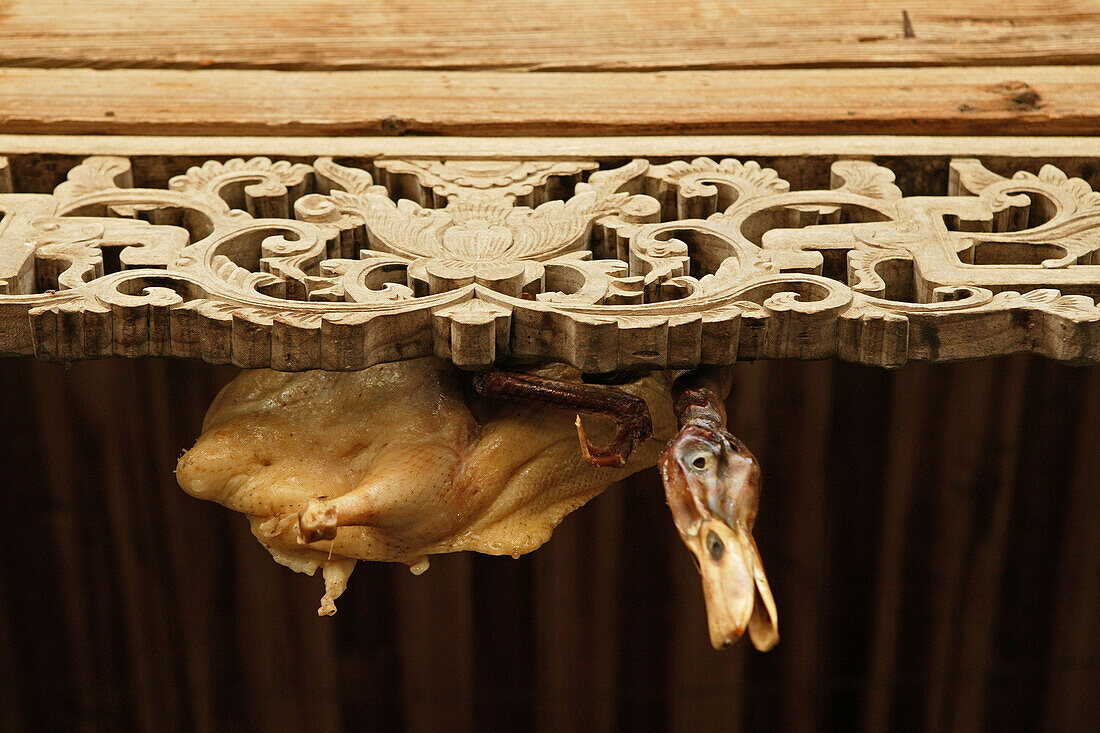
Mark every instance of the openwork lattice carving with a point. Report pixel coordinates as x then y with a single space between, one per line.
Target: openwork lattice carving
261 263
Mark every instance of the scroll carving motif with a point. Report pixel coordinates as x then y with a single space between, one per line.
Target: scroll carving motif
293 266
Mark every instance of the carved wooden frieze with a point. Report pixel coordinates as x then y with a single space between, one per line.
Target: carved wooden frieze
293 266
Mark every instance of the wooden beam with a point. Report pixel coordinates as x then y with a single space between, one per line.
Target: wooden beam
912 147
1048 100
568 35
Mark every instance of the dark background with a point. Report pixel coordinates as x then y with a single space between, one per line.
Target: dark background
932 536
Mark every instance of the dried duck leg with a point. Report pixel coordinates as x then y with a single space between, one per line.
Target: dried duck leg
630 412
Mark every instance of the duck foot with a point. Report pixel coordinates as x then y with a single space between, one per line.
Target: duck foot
630 413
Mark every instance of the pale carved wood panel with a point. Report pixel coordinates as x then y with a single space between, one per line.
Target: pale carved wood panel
635 266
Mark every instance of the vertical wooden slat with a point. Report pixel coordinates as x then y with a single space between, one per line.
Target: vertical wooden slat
799 415
604 647
29 591
575 608
60 435
435 629
643 586
855 472
558 572
1021 672
504 643
1075 646
808 629
11 693
263 645
911 418
972 653
195 536
128 503
559 569
286 652
964 419
370 664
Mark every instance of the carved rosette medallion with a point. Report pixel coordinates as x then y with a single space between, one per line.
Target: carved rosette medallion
293 266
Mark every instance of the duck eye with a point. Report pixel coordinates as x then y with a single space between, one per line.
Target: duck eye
702 461
715 546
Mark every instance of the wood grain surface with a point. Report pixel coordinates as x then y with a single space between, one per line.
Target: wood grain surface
930 535
329 67
809 154
997 100
567 35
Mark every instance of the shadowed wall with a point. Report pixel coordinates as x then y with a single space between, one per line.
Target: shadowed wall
932 536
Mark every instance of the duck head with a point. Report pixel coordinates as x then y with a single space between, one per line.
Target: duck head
712 483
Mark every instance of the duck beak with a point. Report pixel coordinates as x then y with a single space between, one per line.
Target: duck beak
712 484
736 592
764 622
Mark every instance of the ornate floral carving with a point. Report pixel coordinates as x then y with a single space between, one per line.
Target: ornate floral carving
271 263
526 182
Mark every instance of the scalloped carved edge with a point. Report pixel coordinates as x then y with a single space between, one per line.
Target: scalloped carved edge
546 261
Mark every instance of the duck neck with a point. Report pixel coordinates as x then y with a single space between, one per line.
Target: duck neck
695 400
